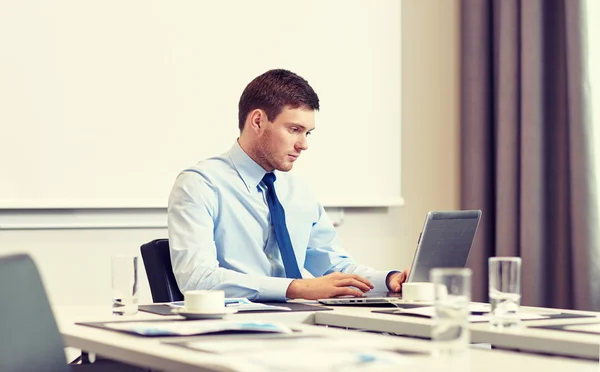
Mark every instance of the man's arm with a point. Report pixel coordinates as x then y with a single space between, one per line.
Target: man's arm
331 285
325 256
191 215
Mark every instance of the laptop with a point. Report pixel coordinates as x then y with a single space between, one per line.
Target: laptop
445 241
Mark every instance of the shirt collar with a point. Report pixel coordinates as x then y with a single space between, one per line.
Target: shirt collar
250 172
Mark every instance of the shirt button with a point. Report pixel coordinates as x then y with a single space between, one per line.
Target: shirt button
270 255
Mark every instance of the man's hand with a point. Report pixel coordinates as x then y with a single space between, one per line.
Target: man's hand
332 285
394 281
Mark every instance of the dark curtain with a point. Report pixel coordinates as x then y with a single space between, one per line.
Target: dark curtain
527 147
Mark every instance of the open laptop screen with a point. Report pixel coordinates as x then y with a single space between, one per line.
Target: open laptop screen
445 241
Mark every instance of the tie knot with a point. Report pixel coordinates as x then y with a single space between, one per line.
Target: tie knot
269 179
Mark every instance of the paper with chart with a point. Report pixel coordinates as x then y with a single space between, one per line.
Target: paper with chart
198 327
310 352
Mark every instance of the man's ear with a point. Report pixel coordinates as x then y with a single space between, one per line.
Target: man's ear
257 120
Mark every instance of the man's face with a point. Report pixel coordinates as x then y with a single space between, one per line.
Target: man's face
284 138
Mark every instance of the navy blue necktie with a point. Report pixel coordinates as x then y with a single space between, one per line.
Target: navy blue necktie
281 232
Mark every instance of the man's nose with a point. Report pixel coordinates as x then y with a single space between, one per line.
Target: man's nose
302 144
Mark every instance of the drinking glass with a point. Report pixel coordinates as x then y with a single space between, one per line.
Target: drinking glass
124 275
450 329
505 291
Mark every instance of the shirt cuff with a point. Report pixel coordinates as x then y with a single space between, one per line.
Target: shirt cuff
379 280
274 289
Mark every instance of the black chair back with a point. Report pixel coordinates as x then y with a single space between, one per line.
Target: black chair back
29 336
157 261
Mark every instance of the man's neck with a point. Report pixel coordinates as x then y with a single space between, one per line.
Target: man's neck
246 147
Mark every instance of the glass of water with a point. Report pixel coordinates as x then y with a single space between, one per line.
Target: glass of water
124 275
450 329
505 291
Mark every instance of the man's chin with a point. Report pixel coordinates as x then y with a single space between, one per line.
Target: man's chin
285 167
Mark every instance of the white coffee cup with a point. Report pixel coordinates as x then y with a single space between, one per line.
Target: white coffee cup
418 291
203 301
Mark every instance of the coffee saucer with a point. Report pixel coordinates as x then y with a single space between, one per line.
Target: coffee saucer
198 316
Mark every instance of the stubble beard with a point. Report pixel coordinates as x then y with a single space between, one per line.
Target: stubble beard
263 156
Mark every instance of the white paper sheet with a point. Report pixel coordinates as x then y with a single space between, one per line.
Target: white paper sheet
198 327
310 353
429 311
593 328
315 360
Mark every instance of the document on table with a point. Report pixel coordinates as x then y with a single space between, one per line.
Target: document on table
479 316
319 360
592 328
197 327
308 353
241 304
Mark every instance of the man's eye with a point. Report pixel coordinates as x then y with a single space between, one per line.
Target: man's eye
308 134
294 129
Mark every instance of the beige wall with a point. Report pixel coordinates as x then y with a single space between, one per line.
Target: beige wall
74 263
430 137
431 140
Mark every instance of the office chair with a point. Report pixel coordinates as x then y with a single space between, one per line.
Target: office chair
157 261
30 338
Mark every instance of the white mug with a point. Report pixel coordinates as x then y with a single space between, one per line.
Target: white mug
203 301
418 291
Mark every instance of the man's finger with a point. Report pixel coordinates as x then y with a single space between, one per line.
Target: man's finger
351 282
396 282
403 277
360 278
347 291
395 286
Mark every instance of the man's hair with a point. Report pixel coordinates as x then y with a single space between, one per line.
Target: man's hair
273 91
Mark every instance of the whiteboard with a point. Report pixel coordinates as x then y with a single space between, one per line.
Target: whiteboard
103 103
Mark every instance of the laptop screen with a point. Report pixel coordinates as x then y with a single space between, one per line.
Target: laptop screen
445 241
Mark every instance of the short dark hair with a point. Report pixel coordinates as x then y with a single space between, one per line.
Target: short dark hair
274 90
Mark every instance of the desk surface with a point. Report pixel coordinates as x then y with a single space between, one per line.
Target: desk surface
526 339
150 352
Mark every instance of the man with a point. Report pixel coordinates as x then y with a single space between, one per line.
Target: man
240 223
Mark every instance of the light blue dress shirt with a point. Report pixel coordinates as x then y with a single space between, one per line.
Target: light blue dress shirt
221 236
